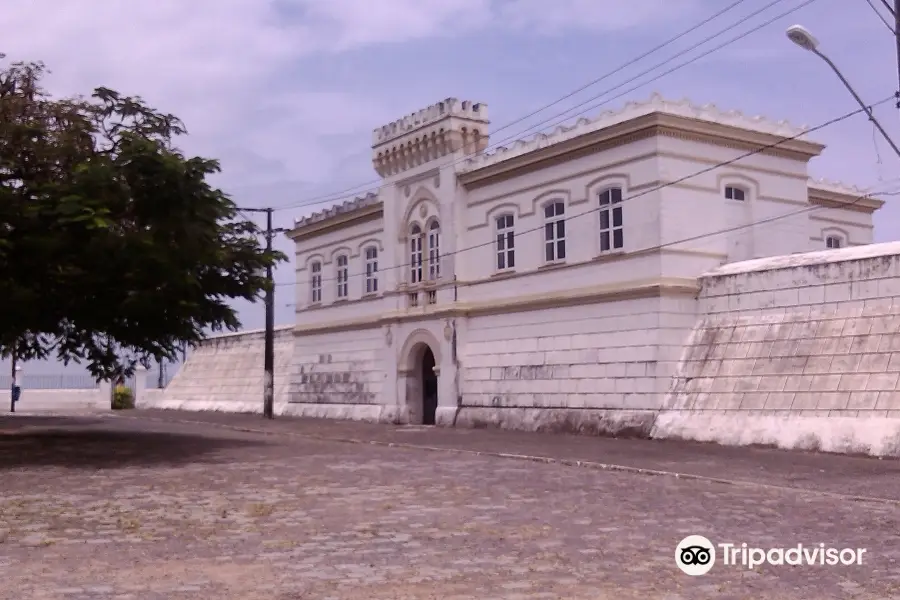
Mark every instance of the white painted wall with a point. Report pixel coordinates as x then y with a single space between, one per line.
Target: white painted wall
696 215
352 242
225 373
855 228
800 352
339 375
578 183
601 363
63 401
597 356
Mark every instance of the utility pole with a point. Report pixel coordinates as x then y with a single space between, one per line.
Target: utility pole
269 351
161 381
897 36
269 366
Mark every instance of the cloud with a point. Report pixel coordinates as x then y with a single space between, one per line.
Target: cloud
592 15
213 62
349 24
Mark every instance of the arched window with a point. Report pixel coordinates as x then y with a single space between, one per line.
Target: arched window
371 270
434 250
555 231
506 242
342 276
415 254
834 241
733 192
315 282
612 233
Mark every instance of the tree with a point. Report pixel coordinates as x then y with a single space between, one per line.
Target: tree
113 244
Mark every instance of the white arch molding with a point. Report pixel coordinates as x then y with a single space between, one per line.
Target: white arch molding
409 372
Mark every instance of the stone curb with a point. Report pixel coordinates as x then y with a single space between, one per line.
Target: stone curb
530 458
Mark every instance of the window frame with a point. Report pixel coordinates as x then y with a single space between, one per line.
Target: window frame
610 201
434 250
504 242
554 232
370 258
744 192
342 275
315 282
842 243
416 237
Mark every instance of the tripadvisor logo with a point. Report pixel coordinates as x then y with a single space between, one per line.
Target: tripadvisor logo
696 555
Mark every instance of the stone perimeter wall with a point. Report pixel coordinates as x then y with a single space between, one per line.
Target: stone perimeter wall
225 373
799 352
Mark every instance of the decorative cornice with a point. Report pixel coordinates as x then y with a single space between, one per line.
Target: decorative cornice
648 288
339 213
834 194
632 110
451 107
426 135
836 186
633 130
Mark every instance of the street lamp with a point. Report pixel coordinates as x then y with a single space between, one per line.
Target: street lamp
803 38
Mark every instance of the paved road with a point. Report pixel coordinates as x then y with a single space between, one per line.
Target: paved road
145 506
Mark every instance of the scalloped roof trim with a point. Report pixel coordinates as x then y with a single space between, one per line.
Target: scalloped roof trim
347 206
632 110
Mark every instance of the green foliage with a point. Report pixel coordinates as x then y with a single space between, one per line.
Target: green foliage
112 242
123 398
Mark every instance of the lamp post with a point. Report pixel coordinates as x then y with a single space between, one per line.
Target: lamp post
803 38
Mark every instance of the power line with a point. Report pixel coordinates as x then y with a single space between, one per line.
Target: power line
880 16
711 234
565 116
644 192
328 198
576 91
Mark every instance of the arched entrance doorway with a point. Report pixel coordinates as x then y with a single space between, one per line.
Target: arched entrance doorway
429 387
419 373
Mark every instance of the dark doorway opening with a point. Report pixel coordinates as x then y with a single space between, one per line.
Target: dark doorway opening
429 388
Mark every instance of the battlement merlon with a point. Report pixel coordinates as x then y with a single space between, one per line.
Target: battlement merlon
451 107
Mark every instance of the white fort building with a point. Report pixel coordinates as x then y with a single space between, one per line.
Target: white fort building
551 283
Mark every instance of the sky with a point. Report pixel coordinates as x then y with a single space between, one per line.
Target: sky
286 93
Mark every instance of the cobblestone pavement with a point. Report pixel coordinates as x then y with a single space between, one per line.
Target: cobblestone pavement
113 507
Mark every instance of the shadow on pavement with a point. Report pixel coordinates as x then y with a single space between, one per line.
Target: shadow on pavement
86 444
834 473
9 423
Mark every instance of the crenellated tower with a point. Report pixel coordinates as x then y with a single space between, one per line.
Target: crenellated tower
429 134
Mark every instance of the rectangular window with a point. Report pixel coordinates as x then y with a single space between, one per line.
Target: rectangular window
506 242
434 252
734 193
315 282
415 258
555 232
612 234
371 270
342 276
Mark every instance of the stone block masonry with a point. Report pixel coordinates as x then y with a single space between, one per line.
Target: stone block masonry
799 352
341 375
225 373
593 356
